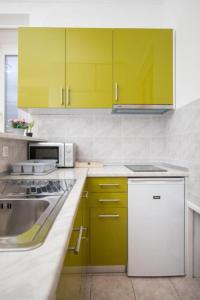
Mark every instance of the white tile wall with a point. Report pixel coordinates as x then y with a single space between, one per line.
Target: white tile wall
112 139
181 146
124 139
17 152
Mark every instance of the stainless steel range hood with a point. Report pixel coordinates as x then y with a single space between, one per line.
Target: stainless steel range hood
141 109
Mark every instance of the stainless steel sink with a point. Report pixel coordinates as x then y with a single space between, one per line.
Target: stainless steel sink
18 216
27 213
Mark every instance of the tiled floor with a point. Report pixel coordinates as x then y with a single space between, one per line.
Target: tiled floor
120 287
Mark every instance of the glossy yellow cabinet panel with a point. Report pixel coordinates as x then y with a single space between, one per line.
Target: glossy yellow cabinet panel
41 67
72 282
143 66
85 221
108 236
107 184
75 259
89 68
108 200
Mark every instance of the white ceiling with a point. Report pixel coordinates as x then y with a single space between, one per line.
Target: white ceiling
137 2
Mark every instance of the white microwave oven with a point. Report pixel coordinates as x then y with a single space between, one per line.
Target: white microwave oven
64 153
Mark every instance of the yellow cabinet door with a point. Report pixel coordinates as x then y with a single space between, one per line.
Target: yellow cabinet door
143 66
85 222
107 184
41 67
108 236
71 281
105 200
89 68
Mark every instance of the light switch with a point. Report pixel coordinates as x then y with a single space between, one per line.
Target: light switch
5 151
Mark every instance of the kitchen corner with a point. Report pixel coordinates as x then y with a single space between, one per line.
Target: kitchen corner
99 150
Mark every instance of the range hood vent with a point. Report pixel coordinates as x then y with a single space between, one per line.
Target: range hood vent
141 109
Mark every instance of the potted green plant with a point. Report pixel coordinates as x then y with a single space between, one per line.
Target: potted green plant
29 129
19 126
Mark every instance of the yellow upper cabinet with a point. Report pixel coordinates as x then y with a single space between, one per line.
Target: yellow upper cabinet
94 67
89 68
143 66
41 67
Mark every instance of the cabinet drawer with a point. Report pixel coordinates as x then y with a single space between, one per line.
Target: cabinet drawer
107 184
108 200
108 243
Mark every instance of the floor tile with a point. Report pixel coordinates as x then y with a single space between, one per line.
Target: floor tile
111 287
187 288
86 290
154 289
69 287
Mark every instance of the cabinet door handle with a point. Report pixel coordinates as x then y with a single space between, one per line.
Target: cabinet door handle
108 200
85 194
108 216
76 249
68 96
116 91
108 184
86 235
61 96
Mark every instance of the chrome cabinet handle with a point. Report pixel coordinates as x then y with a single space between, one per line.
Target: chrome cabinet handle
76 249
108 216
78 244
116 91
108 184
86 236
85 194
61 96
68 96
108 200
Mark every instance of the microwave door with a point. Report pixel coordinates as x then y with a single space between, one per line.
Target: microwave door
61 162
50 151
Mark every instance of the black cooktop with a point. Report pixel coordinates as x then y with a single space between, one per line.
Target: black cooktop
145 168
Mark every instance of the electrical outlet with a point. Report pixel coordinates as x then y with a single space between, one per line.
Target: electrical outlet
5 151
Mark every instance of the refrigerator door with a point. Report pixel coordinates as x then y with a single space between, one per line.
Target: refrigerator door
156 227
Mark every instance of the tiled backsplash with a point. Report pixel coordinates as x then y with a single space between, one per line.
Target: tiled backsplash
17 150
181 132
112 139
123 139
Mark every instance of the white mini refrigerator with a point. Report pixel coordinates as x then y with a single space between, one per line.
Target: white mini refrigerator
156 227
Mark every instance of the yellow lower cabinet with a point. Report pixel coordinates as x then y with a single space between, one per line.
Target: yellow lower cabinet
107 184
104 200
71 281
108 236
74 257
85 238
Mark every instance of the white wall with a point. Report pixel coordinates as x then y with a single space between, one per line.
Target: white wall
184 16
110 13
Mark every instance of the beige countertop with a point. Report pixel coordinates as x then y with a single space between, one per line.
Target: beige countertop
34 274
122 171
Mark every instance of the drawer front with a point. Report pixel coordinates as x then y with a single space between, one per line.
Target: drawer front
108 243
107 184
108 200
